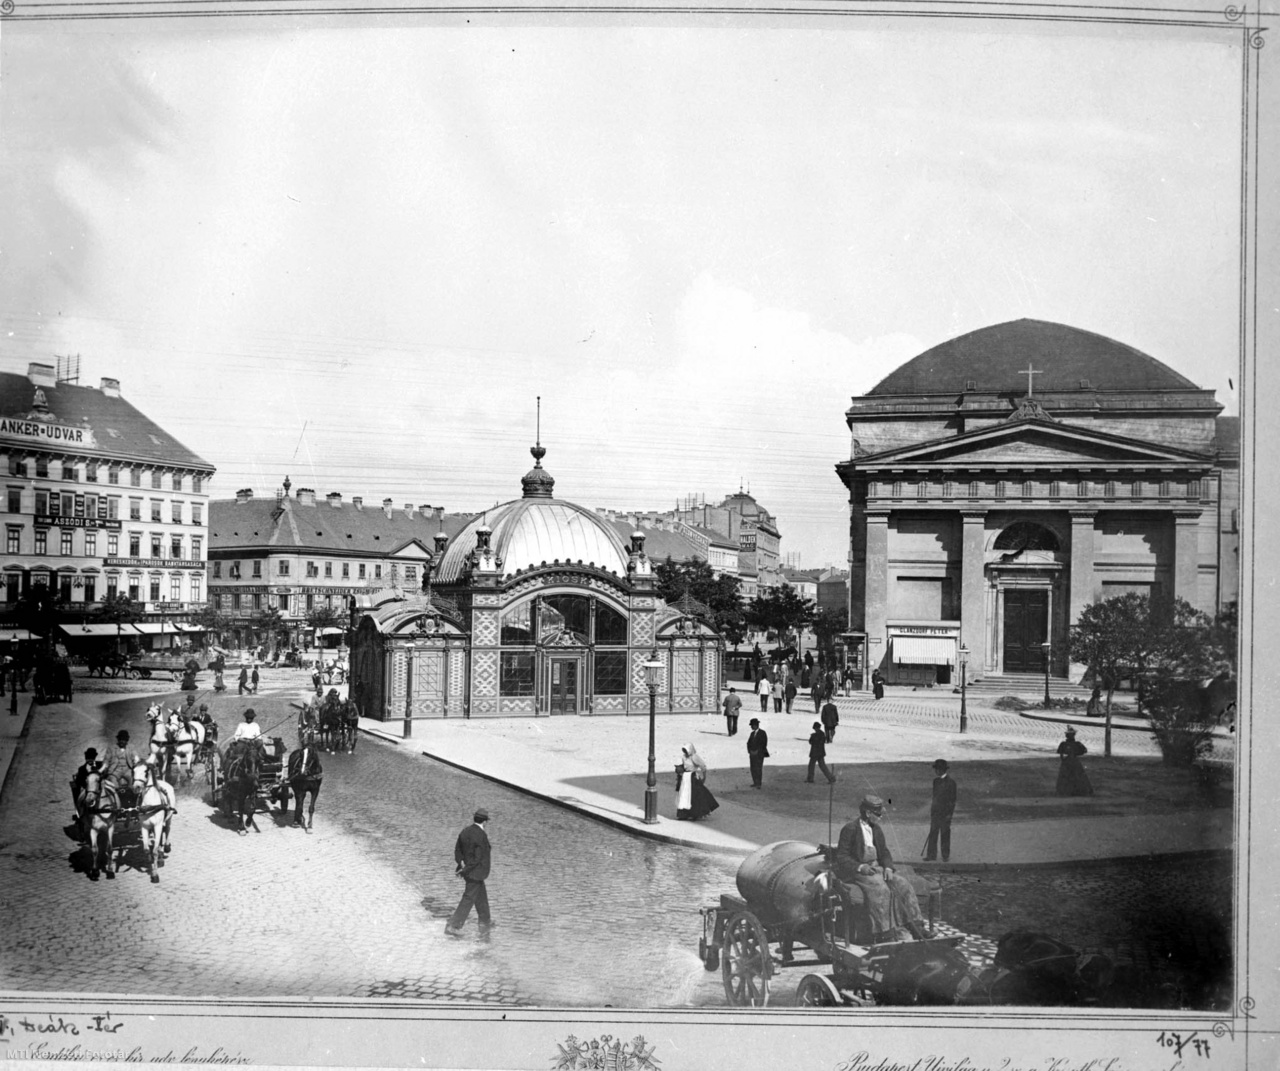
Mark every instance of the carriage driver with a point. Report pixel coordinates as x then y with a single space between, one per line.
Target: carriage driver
118 765
862 858
205 719
248 729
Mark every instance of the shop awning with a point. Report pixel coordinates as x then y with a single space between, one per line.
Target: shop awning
13 635
924 650
331 631
84 631
155 628
183 626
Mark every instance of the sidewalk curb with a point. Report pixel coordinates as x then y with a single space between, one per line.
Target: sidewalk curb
17 739
923 867
1098 722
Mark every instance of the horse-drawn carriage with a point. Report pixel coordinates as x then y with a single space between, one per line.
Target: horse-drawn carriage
331 724
116 822
103 663
246 773
51 681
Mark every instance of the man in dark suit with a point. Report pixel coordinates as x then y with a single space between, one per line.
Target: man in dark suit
818 754
862 858
830 718
471 853
757 752
940 812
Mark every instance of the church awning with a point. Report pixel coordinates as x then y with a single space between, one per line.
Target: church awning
924 650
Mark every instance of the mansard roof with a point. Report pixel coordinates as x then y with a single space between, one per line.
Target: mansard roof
994 358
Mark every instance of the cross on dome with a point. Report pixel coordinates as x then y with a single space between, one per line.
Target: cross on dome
1031 373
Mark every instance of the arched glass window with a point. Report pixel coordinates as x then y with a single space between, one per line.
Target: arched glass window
517 628
611 626
565 614
1026 535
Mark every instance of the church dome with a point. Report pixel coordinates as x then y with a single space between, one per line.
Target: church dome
537 528
995 359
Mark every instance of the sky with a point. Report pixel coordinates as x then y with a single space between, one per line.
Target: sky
356 254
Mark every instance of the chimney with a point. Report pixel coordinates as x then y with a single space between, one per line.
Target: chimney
358 502
408 509
440 514
111 387
244 494
386 506
42 375
306 496
334 498
426 512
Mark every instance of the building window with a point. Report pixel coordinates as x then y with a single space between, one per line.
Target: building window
312 571
217 570
15 499
155 589
175 546
360 573
113 544
255 602
177 481
197 513
516 677
42 541
197 483
91 476
69 472
346 570
311 601
156 507
42 468
17 466
611 626
42 502
197 545
113 508
177 512
611 673
282 601
135 477
113 475
256 571
64 587
235 600
69 505
12 540
175 589
91 545
328 570
135 589
197 584
411 572
135 545
113 587
135 509
282 567
377 571
155 479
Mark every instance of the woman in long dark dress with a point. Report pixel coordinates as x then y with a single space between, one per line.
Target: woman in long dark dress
695 799
1072 780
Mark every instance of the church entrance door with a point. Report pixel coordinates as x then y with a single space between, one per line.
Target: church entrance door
564 686
1026 627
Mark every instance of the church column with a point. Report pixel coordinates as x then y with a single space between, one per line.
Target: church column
1186 556
1081 593
972 591
877 587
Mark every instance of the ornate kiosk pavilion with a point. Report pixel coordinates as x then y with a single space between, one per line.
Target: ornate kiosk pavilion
536 607
1002 481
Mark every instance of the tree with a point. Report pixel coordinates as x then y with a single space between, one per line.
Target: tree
1113 638
829 623
1193 655
212 620
37 611
780 610
270 621
326 617
720 594
117 609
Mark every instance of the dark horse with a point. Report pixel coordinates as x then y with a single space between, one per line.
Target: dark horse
305 775
242 769
350 725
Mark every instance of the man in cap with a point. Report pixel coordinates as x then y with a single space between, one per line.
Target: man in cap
818 754
940 812
757 752
80 782
118 765
862 858
732 707
471 854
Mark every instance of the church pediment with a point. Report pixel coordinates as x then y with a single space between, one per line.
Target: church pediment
1034 443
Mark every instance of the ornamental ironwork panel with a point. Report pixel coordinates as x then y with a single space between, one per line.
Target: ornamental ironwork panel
484 674
684 672
485 624
641 630
457 670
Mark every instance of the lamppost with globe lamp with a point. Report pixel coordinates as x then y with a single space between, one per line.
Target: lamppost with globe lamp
1045 648
964 681
652 670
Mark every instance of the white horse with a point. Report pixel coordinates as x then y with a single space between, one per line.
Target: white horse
185 739
99 805
157 804
161 739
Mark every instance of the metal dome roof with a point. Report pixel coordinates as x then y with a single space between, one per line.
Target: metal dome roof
535 529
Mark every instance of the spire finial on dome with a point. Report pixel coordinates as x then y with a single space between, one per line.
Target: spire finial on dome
538 482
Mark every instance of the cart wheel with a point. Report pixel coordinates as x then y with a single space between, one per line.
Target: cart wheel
710 956
817 991
746 965
135 674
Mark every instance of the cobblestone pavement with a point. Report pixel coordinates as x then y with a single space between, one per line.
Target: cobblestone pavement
588 916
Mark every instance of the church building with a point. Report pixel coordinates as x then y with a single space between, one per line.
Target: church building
1002 481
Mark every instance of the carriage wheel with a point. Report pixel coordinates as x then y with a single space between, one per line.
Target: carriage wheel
746 965
817 991
135 674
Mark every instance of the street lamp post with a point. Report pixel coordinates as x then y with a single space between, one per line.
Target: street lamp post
1045 648
652 669
964 681
408 691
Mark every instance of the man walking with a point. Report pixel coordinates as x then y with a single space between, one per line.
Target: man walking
818 754
244 679
757 752
471 854
732 706
790 693
254 679
762 690
940 812
830 719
